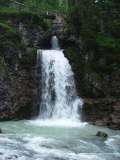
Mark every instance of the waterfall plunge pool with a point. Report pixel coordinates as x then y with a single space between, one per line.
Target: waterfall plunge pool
26 140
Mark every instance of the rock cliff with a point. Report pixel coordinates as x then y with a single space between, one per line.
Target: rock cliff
20 36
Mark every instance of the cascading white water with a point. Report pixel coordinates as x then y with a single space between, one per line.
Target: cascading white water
55 43
59 99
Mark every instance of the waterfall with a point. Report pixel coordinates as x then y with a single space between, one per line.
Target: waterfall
59 99
54 43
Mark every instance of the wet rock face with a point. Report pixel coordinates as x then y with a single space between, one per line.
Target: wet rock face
57 28
31 36
11 56
18 83
102 112
18 96
4 98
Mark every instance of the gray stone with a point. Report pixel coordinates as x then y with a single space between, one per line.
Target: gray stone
102 134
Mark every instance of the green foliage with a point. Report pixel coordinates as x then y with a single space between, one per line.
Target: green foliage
34 6
98 22
45 5
83 18
4 2
8 10
97 26
106 41
7 27
72 54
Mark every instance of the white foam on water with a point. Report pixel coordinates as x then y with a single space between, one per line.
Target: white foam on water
113 143
34 147
39 145
64 123
90 146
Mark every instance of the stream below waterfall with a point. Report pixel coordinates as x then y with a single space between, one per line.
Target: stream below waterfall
43 140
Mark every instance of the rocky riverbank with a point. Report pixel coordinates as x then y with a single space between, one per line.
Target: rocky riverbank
102 112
